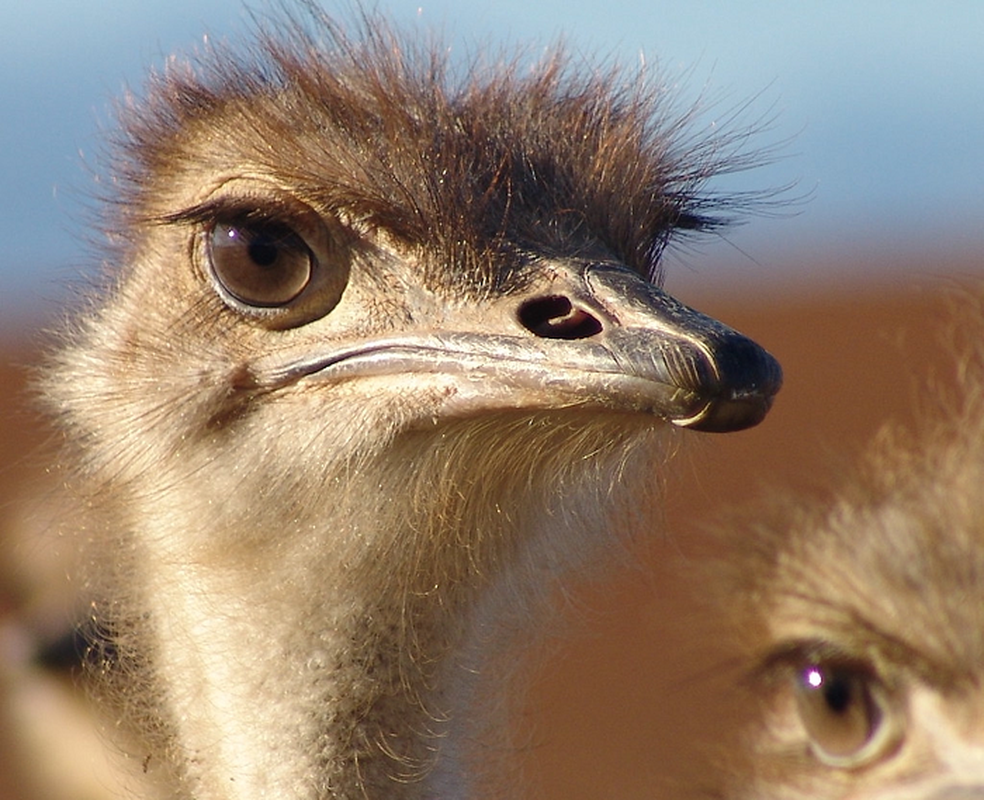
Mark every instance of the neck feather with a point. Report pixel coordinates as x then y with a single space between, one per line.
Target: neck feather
359 647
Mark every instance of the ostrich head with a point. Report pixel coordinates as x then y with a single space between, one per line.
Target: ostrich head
384 350
864 620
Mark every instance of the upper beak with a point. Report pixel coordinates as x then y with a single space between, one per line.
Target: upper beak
594 335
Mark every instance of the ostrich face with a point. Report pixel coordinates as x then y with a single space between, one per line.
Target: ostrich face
870 651
343 223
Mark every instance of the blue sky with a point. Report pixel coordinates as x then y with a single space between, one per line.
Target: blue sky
883 102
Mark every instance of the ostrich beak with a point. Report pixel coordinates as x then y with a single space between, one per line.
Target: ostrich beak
595 335
712 378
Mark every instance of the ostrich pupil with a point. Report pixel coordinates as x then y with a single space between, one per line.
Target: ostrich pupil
263 250
838 694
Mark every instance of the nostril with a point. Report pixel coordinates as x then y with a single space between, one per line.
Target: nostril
555 317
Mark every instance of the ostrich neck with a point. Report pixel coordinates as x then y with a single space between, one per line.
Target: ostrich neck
358 653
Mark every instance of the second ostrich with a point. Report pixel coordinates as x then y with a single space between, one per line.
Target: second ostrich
383 354
862 620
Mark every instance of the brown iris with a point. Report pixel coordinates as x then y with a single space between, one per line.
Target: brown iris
264 264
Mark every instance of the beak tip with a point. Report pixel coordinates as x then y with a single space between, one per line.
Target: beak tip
746 404
721 416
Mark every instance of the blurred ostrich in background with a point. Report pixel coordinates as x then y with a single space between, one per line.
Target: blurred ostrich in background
382 354
864 618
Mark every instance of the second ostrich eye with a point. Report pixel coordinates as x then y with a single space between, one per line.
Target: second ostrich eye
262 264
844 711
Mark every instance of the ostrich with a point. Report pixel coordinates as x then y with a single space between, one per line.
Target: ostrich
864 619
383 352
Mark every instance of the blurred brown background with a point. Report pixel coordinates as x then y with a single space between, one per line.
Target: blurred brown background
628 697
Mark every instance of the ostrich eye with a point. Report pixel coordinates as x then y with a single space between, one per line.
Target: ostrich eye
834 704
263 264
843 708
